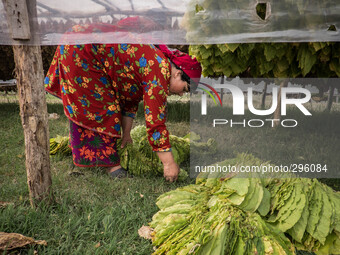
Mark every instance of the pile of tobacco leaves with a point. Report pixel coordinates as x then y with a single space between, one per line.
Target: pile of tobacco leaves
246 214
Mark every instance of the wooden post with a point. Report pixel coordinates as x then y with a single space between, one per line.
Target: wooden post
264 94
222 90
330 98
32 101
277 113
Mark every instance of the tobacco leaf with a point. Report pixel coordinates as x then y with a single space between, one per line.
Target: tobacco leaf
298 230
292 216
287 206
264 207
240 185
4 204
10 241
323 227
315 208
255 200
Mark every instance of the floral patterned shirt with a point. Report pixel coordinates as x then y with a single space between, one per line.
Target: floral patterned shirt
100 83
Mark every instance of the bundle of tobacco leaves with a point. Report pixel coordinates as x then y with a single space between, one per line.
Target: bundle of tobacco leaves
60 145
245 214
139 158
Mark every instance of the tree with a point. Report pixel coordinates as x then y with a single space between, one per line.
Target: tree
32 101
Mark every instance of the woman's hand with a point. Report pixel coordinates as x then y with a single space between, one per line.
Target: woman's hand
171 169
171 172
125 140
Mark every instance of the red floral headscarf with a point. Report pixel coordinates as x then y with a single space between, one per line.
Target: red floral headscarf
184 61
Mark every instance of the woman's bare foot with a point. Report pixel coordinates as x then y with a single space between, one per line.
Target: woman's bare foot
114 168
117 172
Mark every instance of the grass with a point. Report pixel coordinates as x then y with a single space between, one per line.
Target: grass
96 215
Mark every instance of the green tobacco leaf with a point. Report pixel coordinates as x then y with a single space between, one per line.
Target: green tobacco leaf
288 220
218 53
218 68
212 60
282 49
205 54
285 208
236 69
331 246
335 197
232 46
298 230
324 57
240 185
227 59
282 195
316 204
192 136
277 73
323 228
269 52
317 46
205 63
223 48
174 197
265 67
335 66
327 50
236 199
294 70
251 203
299 201
227 71
244 51
309 61
159 219
282 64
169 225
240 246
264 207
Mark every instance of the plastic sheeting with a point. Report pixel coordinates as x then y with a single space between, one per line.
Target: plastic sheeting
183 22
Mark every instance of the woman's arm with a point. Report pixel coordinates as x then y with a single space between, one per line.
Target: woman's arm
126 126
155 70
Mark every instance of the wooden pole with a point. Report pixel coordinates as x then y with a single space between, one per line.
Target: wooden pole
330 98
277 113
264 94
222 90
32 101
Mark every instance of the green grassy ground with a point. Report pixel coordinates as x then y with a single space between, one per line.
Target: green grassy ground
93 214
90 210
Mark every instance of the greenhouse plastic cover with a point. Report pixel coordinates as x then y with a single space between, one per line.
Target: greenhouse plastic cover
181 22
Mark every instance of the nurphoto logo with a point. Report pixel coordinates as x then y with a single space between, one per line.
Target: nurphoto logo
239 104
